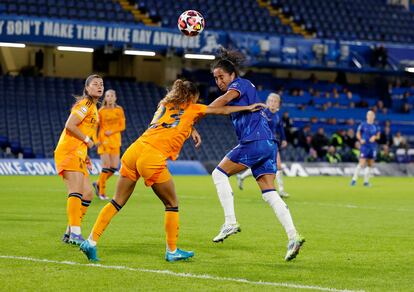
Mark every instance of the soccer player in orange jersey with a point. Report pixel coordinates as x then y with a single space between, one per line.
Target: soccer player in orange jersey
147 158
71 155
111 124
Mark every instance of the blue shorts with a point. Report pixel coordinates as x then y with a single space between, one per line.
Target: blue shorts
368 152
259 155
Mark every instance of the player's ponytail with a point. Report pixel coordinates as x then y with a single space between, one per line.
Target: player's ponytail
181 94
230 61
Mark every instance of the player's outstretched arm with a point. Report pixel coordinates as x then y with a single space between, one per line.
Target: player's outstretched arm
225 98
226 110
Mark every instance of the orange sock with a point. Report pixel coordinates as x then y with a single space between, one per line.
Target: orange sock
171 227
73 209
84 207
103 177
103 219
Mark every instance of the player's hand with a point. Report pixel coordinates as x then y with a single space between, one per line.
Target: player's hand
283 144
196 138
257 106
372 139
88 163
108 133
90 143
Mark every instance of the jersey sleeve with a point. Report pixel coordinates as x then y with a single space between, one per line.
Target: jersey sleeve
121 123
80 109
237 86
198 110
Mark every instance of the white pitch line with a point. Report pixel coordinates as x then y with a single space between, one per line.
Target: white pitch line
183 275
350 206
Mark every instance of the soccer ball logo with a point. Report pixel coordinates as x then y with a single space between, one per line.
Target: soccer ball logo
191 23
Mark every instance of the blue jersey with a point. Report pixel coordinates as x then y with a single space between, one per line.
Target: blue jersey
249 126
367 131
275 124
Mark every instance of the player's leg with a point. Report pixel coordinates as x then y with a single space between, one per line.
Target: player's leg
368 172
106 172
87 196
361 164
220 176
124 189
242 176
114 161
279 179
166 193
74 184
281 210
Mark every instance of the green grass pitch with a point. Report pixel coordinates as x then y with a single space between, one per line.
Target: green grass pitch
357 238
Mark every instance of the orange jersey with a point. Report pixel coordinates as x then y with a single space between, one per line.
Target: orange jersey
87 112
171 126
111 119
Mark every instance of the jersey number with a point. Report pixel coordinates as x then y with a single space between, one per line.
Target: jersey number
160 113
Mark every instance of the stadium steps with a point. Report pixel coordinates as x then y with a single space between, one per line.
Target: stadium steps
138 15
285 19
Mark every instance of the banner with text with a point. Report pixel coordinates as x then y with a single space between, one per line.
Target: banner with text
92 34
47 167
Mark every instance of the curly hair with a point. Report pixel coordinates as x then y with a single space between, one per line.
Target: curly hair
181 94
229 60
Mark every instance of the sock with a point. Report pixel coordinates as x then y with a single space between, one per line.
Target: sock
281 210
246 173
84 207
225 194
356 173
73 210
279 180
67 231
104 217
171 228
103 177
367 174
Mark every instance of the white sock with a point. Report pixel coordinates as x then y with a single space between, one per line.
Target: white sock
356 172
91 241
282 212
225 194
246 173
279 180
367 174
75 229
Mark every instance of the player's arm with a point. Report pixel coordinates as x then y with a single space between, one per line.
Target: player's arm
226 110
225 98
196 137
375 137
72 126
359 137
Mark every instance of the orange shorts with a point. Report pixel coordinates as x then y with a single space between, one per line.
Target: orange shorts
143 160
105 149
70 162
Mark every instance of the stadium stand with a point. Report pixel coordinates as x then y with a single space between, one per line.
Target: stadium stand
372 20
87 10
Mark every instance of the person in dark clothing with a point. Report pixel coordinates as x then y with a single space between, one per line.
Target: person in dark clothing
350 138
320 142
301 137
386 137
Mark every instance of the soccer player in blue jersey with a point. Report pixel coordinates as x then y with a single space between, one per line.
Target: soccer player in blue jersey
276 126
367 134
256 150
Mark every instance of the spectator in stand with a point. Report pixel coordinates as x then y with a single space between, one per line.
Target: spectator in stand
350 122
332 156
381 108
406 108
399 141
386 137
385 154
313 120
350 138
301 137
337 139
320 142
287 125
312 156
356 151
